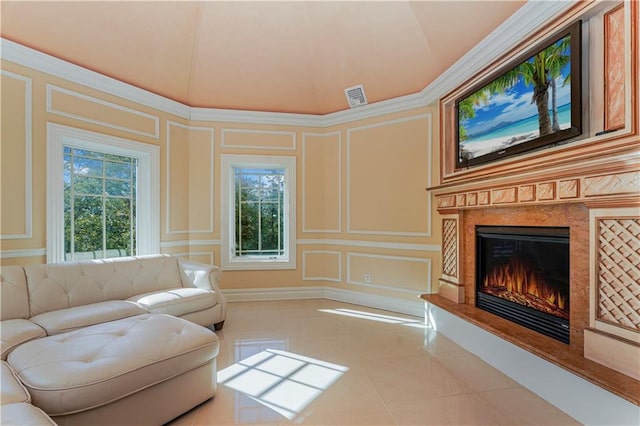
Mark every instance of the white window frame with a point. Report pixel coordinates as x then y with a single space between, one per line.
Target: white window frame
229 261
147 193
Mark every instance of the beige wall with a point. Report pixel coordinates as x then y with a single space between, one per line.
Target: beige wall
364 221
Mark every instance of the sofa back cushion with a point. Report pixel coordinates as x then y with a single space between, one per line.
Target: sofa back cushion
66 285
14 298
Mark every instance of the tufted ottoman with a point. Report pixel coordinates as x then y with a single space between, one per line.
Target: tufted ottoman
146 369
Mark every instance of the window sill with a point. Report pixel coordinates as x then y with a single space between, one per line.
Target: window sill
253 265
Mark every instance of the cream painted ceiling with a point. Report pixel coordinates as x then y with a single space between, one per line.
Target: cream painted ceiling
291 56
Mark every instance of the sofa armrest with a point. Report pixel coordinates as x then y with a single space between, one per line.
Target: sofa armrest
199 275
203 276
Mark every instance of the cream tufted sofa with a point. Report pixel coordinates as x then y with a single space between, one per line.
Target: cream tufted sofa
111 341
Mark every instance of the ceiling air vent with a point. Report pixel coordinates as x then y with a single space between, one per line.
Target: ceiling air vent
355 96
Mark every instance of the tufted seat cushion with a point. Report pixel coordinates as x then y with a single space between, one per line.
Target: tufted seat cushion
97 365
177 301
63 320
15 332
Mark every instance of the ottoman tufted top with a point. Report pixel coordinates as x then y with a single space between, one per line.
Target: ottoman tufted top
93 366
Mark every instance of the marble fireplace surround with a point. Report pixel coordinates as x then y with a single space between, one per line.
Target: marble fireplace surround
573 216
459 299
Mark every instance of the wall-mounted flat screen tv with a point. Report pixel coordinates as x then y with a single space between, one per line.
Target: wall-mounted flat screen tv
532 102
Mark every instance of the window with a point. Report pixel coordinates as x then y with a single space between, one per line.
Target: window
99 204
102 196
258 212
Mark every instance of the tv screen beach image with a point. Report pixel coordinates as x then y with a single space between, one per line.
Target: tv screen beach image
531 100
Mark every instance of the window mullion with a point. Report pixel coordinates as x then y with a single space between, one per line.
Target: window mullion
280 193
133 203
131 217
104 209
72 207
260 223
238 248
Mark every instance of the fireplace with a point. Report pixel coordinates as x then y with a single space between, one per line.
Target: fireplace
523 276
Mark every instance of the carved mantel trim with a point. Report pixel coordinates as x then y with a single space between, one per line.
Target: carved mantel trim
601 180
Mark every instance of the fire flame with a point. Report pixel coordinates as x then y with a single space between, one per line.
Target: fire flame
518 276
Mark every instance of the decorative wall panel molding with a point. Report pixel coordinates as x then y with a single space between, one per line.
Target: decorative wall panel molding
614 67
258 139
17 161
319 273
322 182
193 243
372 244
399 273
370 177
190 154
207 257
67 103
13 254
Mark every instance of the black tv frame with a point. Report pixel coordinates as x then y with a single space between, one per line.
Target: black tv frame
575 32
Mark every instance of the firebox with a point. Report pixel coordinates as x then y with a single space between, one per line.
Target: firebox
523 276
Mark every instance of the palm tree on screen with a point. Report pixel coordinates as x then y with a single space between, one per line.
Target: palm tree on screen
556 62
541 72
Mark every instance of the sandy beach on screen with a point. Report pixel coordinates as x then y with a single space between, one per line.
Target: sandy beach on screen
496 144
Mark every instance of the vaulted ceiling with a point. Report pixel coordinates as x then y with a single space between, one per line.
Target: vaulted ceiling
290 56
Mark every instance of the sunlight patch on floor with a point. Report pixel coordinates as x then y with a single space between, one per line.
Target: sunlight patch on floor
283 381
376 317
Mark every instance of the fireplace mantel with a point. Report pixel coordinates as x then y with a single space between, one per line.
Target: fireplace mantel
608 179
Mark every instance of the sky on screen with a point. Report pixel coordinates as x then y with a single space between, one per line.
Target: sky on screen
514 105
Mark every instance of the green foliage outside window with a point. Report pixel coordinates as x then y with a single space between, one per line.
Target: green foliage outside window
99 204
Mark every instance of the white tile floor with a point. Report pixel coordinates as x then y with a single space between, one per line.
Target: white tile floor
331 363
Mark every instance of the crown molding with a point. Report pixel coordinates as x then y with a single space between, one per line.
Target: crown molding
526 20
22 55
377 109
256 117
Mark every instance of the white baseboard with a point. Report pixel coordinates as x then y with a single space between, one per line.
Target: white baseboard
392 304
403 306
579 398
277 293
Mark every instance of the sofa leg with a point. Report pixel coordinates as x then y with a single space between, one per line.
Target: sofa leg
218 326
